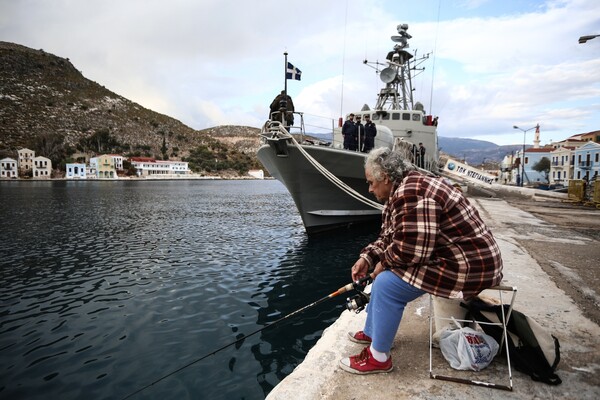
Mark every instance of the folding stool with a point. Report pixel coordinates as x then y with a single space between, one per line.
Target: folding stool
500 289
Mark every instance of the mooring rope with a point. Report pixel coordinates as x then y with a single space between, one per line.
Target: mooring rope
329 175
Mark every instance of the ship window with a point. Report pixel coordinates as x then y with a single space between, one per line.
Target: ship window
396 116
375 117
385 117
416 117
405 116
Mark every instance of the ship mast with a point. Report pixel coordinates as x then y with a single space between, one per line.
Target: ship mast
398 90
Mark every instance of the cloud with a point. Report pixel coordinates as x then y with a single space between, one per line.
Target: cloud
493 64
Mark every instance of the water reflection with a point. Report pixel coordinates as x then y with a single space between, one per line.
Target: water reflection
106 287
310 271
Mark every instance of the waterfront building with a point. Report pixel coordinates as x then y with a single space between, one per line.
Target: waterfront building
75 171
94 162
117 161
25 160
91 172
42 167
507 174
105 167
257 173
150 167
587 161
532 157
561 165
8 168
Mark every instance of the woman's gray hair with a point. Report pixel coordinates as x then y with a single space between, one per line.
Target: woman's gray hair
382 161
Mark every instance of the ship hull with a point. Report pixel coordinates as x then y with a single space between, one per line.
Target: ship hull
322 205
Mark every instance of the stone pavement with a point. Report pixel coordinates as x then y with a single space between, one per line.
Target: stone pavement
319 376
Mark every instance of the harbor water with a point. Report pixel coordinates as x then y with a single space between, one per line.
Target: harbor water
107 287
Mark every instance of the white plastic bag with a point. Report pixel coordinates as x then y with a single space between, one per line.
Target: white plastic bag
466 348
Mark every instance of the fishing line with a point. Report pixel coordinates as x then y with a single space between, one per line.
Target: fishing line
344 289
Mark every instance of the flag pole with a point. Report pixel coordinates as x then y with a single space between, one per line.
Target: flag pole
285 73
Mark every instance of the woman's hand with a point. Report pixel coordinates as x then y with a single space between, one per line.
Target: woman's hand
360 269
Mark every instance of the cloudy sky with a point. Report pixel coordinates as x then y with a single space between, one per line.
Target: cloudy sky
493 63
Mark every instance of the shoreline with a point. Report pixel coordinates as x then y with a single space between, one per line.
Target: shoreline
128 179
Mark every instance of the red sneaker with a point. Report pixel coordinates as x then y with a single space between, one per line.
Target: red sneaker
364 363
359 337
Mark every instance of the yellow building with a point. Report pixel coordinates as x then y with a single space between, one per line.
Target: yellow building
106 167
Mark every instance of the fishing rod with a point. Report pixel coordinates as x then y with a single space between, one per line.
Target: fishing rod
357 285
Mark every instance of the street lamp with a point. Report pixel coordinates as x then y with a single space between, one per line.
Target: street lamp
585 38
523 154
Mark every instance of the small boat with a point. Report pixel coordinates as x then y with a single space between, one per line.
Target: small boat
327 181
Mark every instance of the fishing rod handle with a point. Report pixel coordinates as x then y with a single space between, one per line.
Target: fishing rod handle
363 281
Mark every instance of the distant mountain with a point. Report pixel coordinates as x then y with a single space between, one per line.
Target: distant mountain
475 151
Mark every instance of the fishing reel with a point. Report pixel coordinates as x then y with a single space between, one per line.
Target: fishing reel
359 301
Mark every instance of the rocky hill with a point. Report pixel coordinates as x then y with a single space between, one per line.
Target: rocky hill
47 105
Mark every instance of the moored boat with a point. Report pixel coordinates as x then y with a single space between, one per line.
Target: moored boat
326 180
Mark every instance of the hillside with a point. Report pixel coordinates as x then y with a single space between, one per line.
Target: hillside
47 105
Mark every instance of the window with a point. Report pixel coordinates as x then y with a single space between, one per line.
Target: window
416 117
405 116
396 116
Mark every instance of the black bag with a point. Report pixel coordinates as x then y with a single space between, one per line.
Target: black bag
532 349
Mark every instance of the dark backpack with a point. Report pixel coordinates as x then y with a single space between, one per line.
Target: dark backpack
532 350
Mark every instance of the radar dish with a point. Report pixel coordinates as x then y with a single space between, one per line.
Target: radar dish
387 75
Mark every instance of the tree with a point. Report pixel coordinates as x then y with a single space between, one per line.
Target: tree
163 149
50 145
100 142
543 167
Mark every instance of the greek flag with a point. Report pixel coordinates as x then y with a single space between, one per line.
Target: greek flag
292 72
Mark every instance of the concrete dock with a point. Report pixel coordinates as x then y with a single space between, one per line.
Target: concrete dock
539 296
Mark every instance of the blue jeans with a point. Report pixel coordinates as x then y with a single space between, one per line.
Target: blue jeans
389 296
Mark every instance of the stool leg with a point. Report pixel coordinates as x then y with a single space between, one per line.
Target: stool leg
430 336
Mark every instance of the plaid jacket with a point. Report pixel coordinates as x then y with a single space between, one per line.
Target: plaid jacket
434 239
